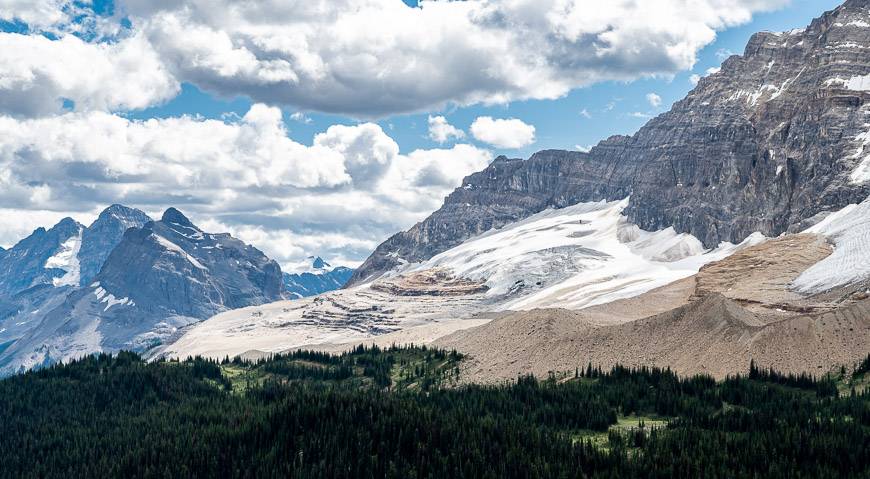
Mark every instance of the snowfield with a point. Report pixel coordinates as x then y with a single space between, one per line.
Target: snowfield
849 230
575 257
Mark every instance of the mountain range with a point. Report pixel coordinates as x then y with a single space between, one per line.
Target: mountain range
731 228
125 282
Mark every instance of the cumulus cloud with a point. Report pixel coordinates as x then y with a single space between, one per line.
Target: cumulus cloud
442 131
338 196
37 74
175 152
38 14
654 100
500 133
372 58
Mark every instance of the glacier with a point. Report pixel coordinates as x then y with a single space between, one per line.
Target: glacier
849 230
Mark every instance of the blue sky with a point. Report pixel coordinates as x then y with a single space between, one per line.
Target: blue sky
304 127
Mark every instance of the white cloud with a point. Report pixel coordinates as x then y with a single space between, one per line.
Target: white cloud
639 114
38 14
442 131
338 197
585 113
654 100
500 133
370 58
36 74
584 149
694 78
174 152
367 151
300 117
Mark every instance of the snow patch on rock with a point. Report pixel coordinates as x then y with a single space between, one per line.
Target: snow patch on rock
859 83
67 259
105 297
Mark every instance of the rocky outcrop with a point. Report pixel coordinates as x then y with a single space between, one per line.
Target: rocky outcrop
773 139
431 282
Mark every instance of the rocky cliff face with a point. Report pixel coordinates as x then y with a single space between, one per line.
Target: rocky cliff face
101 237
159 278
174 266
773 139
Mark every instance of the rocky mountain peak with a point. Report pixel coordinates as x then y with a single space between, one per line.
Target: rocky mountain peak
67 226
173 216
103 235
41 258
318 263
121 212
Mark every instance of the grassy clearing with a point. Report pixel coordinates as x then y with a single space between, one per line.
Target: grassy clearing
624 425
410 369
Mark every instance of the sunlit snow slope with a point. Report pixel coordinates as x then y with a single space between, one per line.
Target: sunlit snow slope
849 230
576 257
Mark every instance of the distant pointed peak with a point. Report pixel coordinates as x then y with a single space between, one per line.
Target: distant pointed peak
117 209
173 216
318 263
68 224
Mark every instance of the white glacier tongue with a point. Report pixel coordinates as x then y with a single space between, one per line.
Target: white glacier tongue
67 259
576 257
849 230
